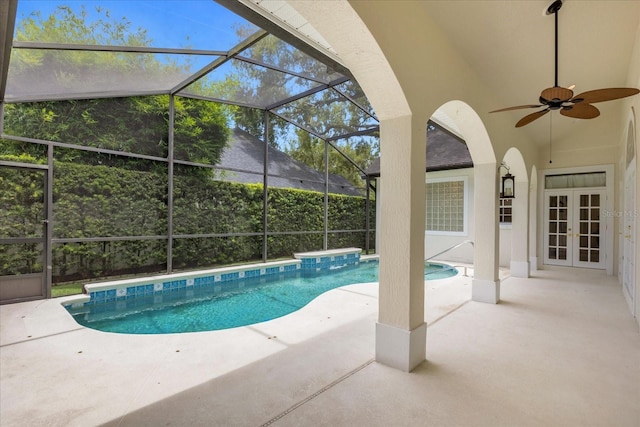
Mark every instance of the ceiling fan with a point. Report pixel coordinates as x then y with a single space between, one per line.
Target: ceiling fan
560 98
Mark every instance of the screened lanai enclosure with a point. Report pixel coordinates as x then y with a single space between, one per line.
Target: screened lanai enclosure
149 137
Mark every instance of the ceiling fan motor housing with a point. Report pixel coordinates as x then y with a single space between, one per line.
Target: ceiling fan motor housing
554 7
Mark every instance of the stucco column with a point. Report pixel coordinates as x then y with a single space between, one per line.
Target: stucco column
486 283
520 231
533 225
401 332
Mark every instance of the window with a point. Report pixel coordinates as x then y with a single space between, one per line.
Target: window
506 211
575 180
446 206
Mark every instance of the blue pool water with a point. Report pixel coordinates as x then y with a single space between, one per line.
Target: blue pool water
243 303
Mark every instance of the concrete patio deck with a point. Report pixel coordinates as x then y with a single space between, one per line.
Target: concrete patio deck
561 349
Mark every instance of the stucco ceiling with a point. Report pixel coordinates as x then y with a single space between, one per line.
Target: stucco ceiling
510 44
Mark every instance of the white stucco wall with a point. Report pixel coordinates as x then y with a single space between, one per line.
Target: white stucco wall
438 242
435 243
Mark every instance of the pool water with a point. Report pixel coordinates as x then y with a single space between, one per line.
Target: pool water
250 301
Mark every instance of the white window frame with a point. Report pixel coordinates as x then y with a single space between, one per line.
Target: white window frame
505 225
465 201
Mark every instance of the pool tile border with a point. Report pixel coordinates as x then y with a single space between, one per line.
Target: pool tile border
325 260
122 290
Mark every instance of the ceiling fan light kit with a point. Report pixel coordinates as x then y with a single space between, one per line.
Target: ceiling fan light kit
562 99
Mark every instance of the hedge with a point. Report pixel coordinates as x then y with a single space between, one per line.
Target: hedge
107 201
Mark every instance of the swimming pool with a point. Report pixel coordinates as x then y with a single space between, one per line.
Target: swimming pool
248 301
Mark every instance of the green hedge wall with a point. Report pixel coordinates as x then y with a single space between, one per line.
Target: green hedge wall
107 201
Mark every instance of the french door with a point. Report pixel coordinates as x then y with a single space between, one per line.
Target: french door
574 229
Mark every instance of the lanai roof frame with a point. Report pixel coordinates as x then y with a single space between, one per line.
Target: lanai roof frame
10 92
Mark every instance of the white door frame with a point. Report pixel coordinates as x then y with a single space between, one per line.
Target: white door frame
607 209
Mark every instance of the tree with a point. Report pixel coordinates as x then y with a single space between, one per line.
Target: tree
135 124
326 112
310 151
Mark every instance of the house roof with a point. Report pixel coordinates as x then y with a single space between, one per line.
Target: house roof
243 162
444 151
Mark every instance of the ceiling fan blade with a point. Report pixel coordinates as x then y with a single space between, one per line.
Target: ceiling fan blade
580 111
518 107
531 117
600 95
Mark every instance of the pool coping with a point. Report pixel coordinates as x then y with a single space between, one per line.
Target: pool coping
124 289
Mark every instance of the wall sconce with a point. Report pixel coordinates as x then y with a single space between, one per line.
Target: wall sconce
507 189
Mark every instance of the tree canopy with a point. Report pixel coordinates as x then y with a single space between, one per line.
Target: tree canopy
133 124
140 124
329 116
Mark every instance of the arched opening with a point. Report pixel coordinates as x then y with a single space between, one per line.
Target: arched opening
401 329
486 282
514 214
629 220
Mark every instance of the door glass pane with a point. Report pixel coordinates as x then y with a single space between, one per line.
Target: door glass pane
584 214
584 241
563 227
563 214
553 214
563 201
584 255
562 240
595 242
595 214
562 253
553 201
595 228
584 228
595 256
584 200
553 240
552 253
553 227
595 200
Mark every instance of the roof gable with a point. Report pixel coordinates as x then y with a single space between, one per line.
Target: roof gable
243 161
444 151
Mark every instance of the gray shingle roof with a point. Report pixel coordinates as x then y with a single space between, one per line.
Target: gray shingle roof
444 151
243 162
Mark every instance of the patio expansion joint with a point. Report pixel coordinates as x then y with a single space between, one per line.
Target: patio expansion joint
317 393
458 307
41 337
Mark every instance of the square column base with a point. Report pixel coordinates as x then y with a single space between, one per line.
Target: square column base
533 263
519 269
399 348
485 291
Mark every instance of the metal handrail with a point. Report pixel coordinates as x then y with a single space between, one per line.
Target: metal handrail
448 249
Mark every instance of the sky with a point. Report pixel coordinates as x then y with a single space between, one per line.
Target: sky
199 24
